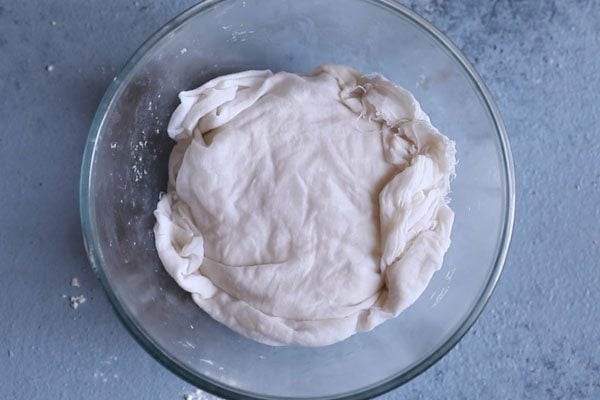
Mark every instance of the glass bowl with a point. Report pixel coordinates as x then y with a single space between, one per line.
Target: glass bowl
125 169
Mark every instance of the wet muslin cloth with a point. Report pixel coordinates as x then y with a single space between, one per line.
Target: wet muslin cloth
302 209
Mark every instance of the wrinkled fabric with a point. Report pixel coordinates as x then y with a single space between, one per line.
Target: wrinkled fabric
302 209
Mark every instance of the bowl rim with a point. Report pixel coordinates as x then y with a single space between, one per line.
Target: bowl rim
156 351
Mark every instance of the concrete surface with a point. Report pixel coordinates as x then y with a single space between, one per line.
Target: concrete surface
539 338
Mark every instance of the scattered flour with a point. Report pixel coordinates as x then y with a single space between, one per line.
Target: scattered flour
198 395
76 301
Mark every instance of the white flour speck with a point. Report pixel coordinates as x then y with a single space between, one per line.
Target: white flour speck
76 301
190 346
109 360
138 174
450 273
240 35
75 282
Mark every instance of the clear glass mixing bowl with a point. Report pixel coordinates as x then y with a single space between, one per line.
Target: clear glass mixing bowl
125 169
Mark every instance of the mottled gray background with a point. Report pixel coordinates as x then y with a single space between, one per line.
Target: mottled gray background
539 338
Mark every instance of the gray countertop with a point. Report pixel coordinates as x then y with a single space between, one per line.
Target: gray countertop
539 337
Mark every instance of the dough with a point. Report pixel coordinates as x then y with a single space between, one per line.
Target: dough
302 209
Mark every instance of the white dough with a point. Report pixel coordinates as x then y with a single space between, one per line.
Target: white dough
302 209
